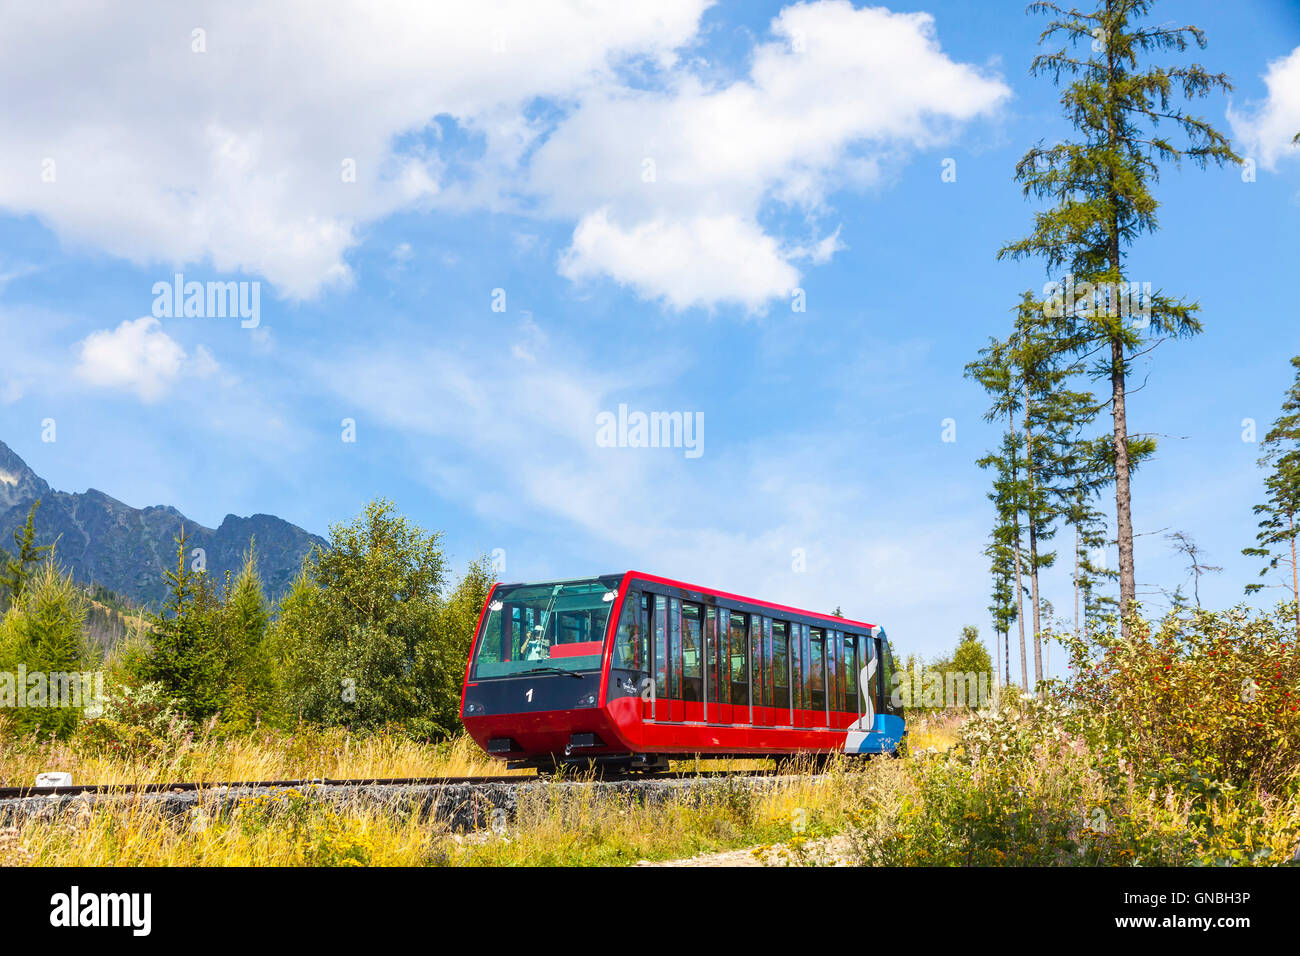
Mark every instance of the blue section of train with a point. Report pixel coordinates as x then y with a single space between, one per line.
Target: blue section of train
886 733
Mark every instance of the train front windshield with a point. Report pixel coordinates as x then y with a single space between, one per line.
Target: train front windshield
544 627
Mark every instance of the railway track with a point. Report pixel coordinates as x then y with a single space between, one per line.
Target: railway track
18 793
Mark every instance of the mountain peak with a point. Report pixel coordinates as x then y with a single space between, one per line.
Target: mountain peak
18 483
104 541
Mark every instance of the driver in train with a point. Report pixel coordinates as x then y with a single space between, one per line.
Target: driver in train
535 647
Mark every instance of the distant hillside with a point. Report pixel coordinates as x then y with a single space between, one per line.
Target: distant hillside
103 541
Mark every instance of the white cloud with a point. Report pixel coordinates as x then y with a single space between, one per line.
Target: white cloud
838 92
236 156
697 261
1267 130
138 356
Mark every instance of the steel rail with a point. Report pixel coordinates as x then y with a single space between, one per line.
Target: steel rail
17 793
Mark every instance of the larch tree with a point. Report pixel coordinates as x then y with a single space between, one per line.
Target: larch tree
1097 184
995 372
1002 610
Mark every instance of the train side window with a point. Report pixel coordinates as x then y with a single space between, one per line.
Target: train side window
629 649
757 663
780 665
739 659
851 703
662 668
692 665
817 669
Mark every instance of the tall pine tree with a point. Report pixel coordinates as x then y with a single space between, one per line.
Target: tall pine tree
1099 186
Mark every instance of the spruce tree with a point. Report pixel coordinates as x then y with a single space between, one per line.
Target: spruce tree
1278 527
42 631
16 566
185 654
248 679
1099 186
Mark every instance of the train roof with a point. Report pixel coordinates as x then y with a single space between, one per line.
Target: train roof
829 618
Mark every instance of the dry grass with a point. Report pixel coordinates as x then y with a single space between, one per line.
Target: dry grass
937 731
558 824
308 754
1018 805
265 755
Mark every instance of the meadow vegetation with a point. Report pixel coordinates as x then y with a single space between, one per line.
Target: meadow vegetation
1176 744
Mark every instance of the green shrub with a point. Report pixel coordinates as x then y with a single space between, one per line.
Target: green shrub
134 722
1206 695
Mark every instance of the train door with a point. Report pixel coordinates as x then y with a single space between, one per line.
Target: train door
643 623
710 665
723 713
850 671
817 683
674 660
692 640
800 674
660 705
758 672
848 679
738 646
834 690
781 712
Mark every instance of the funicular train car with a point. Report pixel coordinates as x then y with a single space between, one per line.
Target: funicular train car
632 669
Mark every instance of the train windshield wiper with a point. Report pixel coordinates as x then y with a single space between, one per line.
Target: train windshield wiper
558 670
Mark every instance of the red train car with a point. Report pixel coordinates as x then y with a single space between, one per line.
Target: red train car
632 669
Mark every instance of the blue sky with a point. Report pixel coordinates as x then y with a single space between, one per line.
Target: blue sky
646 184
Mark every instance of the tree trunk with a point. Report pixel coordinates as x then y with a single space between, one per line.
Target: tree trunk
997 676
1123 499
1006 657
1033 540
1295 583
1076 582
1020 590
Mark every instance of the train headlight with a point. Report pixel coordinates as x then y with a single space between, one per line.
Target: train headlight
587 700
471 708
